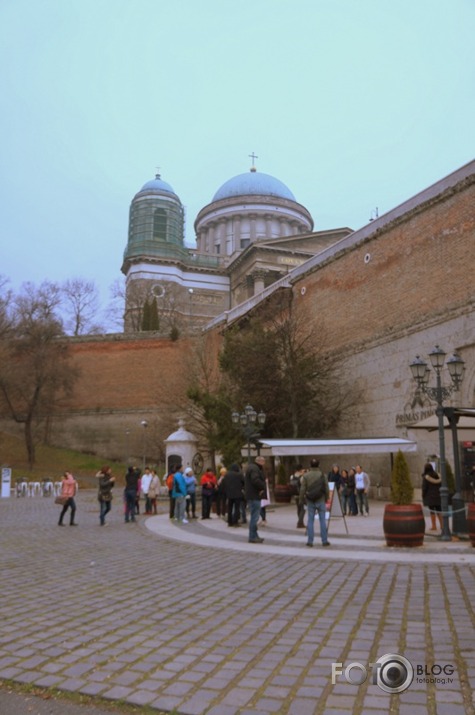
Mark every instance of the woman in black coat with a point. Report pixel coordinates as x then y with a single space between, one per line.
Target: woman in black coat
431 482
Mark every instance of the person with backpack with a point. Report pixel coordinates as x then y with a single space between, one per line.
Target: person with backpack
295 481
169 482
314 490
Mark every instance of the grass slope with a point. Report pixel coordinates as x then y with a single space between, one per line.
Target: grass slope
52 461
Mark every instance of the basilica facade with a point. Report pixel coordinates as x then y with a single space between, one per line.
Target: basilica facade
252 233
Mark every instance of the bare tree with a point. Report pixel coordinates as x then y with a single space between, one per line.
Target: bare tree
81 305
5 303
115 311
35 371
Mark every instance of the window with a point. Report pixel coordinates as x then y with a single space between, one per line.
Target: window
160 224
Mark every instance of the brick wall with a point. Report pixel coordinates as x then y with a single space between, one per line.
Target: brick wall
410 273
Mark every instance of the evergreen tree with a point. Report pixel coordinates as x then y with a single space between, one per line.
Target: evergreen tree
402 490
145 325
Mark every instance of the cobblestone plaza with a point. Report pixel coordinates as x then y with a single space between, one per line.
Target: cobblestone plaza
194 620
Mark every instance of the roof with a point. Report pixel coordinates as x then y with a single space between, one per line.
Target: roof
253 183
303 447
157 184
466 421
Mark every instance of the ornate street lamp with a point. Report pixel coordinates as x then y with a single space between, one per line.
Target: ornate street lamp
439 393
248 419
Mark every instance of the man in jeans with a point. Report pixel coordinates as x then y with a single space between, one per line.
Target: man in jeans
255 489
314 489
362 487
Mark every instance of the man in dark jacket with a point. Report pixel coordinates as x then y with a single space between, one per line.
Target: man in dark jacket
233 485
130 492
255 490
314 489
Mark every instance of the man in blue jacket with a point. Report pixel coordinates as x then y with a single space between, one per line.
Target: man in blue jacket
179 494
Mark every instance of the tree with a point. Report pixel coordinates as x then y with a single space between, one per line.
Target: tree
279 364
145 324
5 303
402 490
35 371
209 410
81 304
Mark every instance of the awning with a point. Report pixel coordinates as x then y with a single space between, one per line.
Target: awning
466 421
304 447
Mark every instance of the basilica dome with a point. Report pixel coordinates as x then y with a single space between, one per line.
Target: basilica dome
248 208
253 183
157 184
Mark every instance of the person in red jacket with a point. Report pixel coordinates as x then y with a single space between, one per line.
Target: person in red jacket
208 488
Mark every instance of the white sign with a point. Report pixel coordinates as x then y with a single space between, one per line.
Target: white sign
6 482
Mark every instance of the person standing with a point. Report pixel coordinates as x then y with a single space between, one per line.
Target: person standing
169 482
220 495
314 489
179 495
154 491
431 482
295 484
69 488
353 508
255 490
208 487
191 485
335 476
104 494
233 485
145 487
362 484
130 492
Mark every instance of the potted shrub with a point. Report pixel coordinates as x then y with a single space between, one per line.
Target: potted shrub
282 489
403 522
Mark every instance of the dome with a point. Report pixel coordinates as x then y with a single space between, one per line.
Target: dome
157 184
253 183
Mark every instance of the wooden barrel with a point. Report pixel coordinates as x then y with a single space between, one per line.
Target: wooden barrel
404 525
471 522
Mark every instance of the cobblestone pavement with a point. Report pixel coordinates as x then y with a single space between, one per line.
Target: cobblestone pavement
193 619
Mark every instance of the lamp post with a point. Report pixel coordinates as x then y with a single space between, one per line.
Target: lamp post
248 419
144 424
439 393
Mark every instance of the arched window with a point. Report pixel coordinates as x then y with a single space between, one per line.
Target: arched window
160 224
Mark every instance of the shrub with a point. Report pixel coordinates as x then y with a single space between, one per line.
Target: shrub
402 490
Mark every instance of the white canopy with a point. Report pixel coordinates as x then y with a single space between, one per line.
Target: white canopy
303 447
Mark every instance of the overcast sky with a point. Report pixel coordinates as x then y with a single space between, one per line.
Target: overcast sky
353 105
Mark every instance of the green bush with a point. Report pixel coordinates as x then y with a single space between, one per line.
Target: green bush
402 490
282 474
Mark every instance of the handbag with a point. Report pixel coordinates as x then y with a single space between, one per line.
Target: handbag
61 500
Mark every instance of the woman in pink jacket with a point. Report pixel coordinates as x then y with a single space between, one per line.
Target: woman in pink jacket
69 487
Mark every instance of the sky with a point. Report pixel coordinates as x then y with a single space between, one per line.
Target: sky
355 106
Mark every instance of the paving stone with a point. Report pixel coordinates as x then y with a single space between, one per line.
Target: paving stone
267 646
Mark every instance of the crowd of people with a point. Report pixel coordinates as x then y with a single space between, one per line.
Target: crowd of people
351 484
241 497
